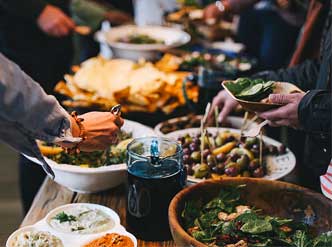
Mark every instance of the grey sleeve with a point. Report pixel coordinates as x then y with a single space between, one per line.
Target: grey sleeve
27 113
24 103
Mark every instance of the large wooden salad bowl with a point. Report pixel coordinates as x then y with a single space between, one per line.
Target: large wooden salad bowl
274 197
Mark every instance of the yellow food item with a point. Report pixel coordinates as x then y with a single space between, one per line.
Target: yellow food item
48 151
224 149
84 165
111 240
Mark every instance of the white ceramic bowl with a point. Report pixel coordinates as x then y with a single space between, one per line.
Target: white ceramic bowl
278 166
233 122
89 180
74 239
172 37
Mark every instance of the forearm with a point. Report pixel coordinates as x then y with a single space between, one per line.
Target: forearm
29 9
315 111
304 75
24 103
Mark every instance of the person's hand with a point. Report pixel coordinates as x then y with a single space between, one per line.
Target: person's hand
286 115
212 13
100 130
226 104
284 4
54 22
118 17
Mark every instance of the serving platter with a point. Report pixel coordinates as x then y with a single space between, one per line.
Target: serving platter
171 37
74 239
88 180
278 166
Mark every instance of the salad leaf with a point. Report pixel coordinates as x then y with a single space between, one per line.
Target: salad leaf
324 240
300 239
256 226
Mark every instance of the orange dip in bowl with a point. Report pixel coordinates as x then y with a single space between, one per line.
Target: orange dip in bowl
111 240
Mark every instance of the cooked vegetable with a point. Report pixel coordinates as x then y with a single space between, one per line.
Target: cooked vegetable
224 221
140 39
63 217
249 89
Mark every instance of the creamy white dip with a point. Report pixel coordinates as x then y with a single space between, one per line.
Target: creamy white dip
82 220
36 239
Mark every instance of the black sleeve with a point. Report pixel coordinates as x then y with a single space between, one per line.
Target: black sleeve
315 112
29 9
304 75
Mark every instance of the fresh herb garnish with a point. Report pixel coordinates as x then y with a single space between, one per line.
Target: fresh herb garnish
63 217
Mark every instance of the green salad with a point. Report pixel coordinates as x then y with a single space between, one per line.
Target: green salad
115 155
250 89
140 39
226 221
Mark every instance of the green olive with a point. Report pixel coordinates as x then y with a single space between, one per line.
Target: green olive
188 139
196 156
219 141
211 159
251 141
243 162
201 171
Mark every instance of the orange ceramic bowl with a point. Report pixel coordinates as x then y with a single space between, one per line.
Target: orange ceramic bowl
274 197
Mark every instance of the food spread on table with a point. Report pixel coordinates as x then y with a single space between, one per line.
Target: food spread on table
225 221
111 240
226 154
81 220
136 86
36 239
228 66
140 39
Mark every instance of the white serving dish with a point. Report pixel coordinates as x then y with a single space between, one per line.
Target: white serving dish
89 180
278 166
234 122
74 239
172 38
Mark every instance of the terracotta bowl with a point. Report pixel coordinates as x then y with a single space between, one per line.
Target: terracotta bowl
274 197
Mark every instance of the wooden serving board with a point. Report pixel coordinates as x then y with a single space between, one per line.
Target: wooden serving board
52 195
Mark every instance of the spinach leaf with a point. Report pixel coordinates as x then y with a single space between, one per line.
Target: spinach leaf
205 220
324 240
190 212
202 236
265 243
256 226
246 217
300 239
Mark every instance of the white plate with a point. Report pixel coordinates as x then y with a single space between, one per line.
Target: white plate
277 166
75 239
172 37
234 122
88 180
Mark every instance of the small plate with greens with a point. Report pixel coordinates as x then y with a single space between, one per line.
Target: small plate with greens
253 94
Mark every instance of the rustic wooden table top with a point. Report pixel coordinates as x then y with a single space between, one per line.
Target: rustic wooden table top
52 195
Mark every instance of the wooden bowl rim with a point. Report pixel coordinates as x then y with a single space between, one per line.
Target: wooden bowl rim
172 211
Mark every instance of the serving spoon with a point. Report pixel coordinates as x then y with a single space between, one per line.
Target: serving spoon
254 131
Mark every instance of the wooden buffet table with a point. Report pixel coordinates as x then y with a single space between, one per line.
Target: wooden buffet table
52 195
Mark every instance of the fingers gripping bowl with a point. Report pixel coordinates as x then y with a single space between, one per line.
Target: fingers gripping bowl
93 179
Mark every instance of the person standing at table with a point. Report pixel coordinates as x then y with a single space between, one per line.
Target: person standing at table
37 35
310 112
269 29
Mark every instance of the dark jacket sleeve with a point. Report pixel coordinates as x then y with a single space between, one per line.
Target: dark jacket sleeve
315 111
29 9
304 75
